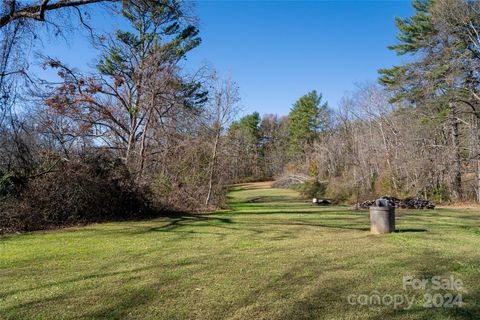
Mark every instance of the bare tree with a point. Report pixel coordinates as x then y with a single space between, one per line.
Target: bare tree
222 107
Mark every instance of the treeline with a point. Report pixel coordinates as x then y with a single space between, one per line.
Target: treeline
367 147
262 148
416 134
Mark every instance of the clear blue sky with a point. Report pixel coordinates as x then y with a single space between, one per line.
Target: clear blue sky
277 51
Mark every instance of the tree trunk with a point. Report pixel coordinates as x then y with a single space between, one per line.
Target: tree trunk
474 150
144 146
130 147
474 154
457 166
478 179
212 166
131 139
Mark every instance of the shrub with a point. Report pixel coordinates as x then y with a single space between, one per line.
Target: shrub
95 188
312 189
8 185
340 190
439 193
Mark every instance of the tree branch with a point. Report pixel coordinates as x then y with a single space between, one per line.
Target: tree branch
37 12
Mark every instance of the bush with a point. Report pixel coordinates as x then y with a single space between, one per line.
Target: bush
9 185
440 193
312 189
95 188
341 190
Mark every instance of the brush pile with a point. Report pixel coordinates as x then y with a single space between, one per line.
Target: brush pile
408 203
288 181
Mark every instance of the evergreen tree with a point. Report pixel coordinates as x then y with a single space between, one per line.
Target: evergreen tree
308 119
138 85
251 125
433 81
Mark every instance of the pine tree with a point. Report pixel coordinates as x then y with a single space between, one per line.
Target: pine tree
433 80
308 119
139 68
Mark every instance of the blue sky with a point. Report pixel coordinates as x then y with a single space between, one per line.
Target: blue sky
279 50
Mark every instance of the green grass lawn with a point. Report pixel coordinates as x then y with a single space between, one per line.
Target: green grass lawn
271 256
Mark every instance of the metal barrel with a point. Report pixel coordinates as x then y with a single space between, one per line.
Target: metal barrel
382 220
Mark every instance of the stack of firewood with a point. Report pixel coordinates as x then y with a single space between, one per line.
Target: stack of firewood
408 203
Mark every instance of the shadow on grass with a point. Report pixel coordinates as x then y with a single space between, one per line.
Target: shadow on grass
330 300
273 210
410 230
357 224
320 225
117 305
346 221
178 220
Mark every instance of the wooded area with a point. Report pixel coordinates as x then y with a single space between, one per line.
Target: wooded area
139 135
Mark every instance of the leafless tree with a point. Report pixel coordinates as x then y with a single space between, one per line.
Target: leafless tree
222 107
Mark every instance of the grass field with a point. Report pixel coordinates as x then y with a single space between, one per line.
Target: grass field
271 256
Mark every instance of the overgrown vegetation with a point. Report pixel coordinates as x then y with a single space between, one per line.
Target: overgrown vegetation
96 188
